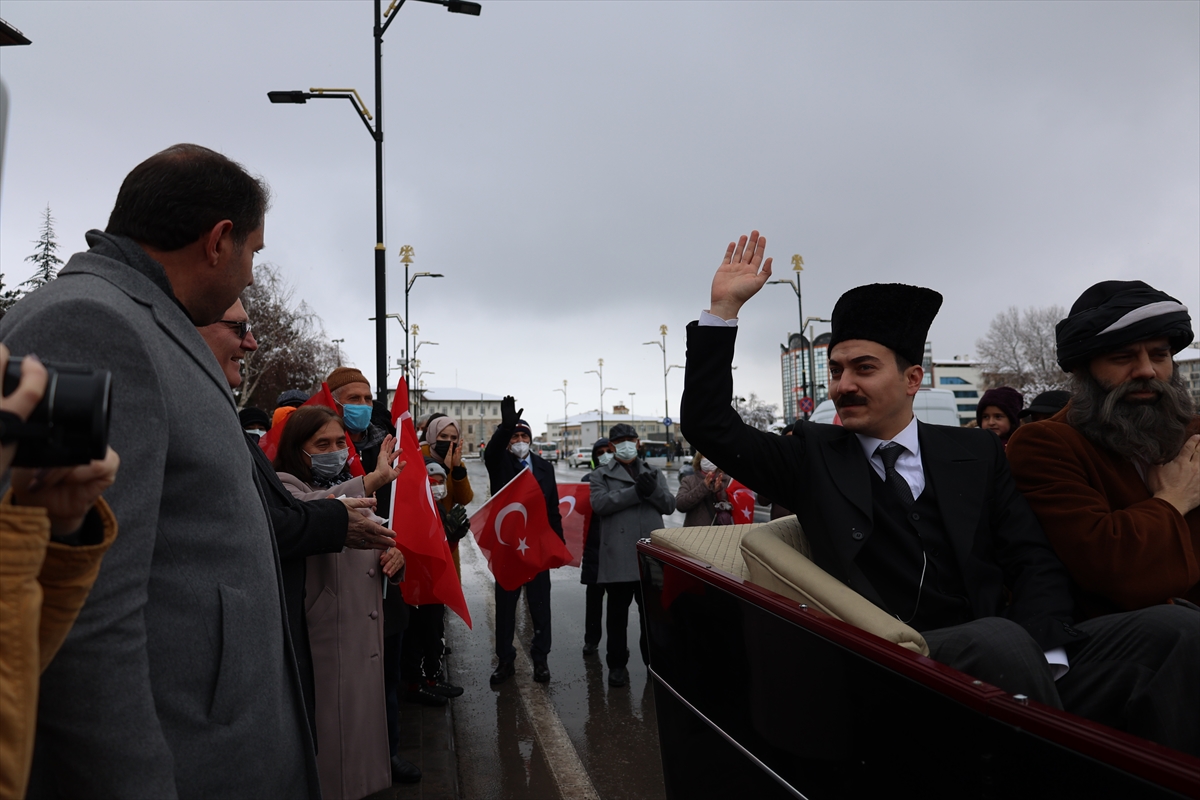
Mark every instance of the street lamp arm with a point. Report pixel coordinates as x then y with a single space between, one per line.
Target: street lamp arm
359 104
352 95
416 275
790 283
389 15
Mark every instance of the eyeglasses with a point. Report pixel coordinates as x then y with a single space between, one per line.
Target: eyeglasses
241 327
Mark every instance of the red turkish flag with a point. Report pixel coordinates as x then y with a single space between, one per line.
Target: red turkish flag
269 442
575 505
429 569
513 531
742 500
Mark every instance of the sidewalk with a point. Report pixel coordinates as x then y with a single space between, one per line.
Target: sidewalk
427 740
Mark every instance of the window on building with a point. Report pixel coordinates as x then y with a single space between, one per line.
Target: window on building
458 411
952 380
470 411
967 407
470 429
966 393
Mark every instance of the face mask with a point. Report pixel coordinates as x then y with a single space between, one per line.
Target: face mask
707 465
327 465
441 448
438 490
626 451
605 458
257 434
357 418
519 449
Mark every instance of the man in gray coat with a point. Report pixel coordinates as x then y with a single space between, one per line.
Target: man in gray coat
630 497
178 679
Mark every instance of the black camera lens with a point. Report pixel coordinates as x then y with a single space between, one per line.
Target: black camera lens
69 426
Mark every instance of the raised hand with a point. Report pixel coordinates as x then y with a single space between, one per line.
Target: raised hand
386 467
739 277
508 411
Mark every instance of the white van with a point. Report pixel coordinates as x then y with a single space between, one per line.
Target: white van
931 406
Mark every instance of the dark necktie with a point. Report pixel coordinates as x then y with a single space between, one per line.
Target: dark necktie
890 453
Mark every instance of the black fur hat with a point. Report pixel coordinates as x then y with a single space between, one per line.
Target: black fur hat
895 315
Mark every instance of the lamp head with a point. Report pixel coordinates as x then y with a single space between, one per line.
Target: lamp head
288 97
464 7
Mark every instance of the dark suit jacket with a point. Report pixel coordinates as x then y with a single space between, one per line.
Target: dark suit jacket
503 466
822 474
302 529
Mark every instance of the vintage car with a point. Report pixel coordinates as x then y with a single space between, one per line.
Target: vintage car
774 680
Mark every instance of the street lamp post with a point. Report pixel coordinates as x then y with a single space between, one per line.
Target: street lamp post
382 21
662 329
337 349
406 258
599 373
798 267
565 404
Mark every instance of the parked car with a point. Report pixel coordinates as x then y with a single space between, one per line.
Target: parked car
580 458
547 450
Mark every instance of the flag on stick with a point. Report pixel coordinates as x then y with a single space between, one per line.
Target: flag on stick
429 569
575 506
513 531
742 500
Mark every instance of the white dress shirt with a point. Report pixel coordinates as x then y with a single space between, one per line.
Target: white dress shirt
909 466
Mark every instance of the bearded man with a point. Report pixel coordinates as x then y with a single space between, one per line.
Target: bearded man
1115 476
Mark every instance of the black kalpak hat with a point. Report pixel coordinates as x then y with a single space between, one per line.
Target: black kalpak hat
895 315
1050 402
1112 314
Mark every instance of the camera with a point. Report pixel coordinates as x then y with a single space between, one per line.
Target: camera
69 426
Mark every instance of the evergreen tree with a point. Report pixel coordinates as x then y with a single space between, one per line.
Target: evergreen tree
45 259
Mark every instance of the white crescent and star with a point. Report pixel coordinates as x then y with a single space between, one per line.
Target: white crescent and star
745 512
569 500
504 512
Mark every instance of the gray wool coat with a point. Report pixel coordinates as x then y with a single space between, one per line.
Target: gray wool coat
178 679
625 517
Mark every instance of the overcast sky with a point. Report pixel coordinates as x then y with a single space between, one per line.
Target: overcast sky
576 169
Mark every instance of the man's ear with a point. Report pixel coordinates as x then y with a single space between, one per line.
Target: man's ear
912 379
217 241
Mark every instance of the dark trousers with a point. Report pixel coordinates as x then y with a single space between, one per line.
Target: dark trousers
593 615
537 597
1136 672
392 647
423 646
619 597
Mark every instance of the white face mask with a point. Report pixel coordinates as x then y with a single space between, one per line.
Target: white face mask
605 458
519 449
257 434
438 491
626 451
707 465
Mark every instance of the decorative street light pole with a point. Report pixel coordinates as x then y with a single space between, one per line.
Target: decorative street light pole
600 373
798 267
565 404
662 329
382 21
337 349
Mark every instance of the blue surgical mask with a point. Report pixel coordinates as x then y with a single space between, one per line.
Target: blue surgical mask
626 451
357 418
328 465
605 458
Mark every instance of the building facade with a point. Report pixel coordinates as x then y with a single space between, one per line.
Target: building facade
798 368
961 376
582 430
1188 362
477 412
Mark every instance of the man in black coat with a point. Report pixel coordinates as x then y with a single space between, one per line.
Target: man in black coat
926 522
507 453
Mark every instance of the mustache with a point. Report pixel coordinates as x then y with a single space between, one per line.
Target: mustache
1117 394
850 400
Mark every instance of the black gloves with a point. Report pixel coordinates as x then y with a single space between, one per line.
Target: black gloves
456 524
508 411
646 483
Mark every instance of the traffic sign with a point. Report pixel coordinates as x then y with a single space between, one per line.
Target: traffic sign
667 421
806 405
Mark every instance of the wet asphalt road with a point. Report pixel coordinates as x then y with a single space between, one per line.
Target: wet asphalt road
573 738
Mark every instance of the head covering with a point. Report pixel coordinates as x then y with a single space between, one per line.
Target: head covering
601 442
254 416
521 427
437 425
281 414
1005 398
1112 314
433 468
622 430
343 376
1047 403
292 398
894 315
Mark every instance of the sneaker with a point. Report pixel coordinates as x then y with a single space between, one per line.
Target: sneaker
618 677
423 695
404 771
444 689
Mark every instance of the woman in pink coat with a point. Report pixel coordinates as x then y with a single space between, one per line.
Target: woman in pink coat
344 605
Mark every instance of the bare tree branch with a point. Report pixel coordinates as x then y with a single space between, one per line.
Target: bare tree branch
1019 351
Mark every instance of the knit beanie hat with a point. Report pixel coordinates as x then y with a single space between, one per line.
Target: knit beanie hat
1006 399
343 376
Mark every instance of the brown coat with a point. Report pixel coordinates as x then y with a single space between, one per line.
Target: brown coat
343 601
1125 549
42 587
699 502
